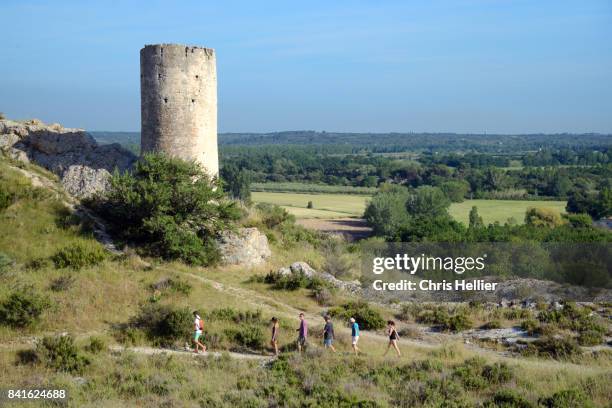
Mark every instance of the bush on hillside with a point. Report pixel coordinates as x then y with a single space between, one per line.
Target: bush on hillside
78 256
164 324
61 354
248 336
366 317
23 308
236 316
62 283
6 199
475 374
569 398
5 262
96 345
553 347
590 338
507 399
168 206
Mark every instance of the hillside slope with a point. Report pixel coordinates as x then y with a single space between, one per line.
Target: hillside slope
106 306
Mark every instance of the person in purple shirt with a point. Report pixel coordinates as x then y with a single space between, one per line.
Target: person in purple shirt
302 333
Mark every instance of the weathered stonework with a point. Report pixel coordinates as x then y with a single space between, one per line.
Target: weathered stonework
178 88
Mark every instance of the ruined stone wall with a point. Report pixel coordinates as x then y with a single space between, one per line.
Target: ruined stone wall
178 88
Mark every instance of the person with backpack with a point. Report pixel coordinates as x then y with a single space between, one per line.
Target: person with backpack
274 339
328 334
393 338
354 335
198 325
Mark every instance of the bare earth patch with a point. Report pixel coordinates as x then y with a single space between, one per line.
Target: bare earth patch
351 228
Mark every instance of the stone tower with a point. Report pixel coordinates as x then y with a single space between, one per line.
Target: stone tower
178 93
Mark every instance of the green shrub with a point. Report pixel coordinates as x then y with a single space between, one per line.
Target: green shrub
272 215
168 206
497 373
493 324
6 199
164 324
517 314
567 399
590 338
474 374
5 262
236 316
366 317
38 263
78 256
96 345
247 335
557 348
61 354
23 308
62 283
458 322
293 281
175 285
470 373
508 399
530 326
323 296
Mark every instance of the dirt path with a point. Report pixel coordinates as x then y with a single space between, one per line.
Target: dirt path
149 351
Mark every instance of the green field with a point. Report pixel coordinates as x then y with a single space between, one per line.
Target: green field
325 205
500 210
346 205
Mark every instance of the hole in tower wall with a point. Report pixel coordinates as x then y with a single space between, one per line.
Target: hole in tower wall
193 101
165 100
197 76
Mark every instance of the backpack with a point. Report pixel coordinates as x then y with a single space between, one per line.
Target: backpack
201 324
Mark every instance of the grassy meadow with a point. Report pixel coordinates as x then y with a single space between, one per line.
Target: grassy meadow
351 205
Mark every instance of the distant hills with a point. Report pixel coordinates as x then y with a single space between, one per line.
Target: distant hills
396 142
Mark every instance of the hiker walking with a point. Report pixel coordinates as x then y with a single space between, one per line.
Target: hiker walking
393 338
198 325
328 334
354 335
302 333
274 339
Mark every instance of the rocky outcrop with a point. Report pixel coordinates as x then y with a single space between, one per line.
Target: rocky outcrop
72 154
310 273
246 247
82 181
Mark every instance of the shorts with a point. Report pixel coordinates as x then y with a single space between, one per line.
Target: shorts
301 341
328 342
196 335
354 339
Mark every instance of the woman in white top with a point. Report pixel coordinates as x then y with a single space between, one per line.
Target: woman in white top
198 324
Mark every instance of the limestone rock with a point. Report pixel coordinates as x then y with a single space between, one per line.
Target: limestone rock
284 271
304 268
247 246
72 154
310 272
83 182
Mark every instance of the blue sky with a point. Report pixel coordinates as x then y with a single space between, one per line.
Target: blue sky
461 66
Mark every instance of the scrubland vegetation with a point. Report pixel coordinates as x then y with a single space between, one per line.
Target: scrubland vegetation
72 316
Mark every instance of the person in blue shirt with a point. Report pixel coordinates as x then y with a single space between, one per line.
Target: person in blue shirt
354 335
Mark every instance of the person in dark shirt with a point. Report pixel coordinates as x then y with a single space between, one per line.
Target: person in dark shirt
328 334
393 338
302 333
